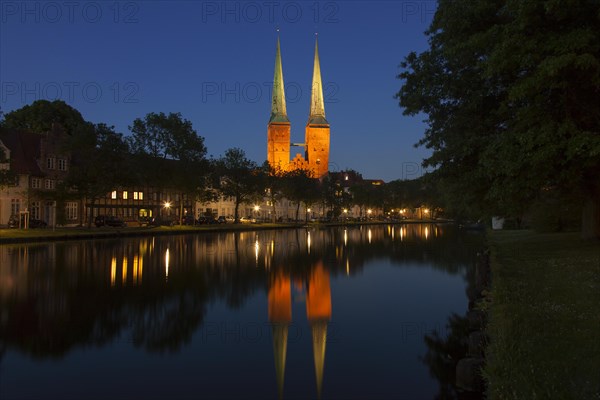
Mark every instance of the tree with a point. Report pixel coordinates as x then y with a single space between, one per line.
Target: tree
509 88
41 115
274 184
300 187
100 157
236 176
170 154
366 195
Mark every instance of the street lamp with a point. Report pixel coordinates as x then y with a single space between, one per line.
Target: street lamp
369 211
257 210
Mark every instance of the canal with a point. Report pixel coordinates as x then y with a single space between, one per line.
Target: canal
346 313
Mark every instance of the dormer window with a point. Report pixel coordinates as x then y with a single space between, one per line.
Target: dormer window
51 162
62 164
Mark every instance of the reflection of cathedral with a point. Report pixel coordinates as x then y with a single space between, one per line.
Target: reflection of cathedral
318 312
316 142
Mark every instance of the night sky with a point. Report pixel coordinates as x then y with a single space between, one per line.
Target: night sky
214 61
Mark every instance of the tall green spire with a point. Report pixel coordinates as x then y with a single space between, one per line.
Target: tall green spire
317 104
278 110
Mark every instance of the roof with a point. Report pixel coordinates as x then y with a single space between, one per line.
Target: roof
24 150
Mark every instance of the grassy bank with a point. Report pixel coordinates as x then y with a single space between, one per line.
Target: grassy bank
545 317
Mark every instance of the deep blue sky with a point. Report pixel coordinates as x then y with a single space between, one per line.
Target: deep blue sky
213 62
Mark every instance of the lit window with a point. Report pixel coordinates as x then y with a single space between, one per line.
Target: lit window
113 194
135 195
125 195
141 195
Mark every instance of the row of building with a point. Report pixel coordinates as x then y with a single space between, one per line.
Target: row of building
40 164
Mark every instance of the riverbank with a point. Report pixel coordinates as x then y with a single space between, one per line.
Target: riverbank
544 323
79 233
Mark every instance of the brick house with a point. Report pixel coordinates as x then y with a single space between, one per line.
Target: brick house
40 163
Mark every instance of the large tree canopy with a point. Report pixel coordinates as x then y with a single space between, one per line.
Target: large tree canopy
511 90
167 136
39 116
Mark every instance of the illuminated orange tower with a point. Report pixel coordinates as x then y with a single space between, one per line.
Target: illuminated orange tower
316 140
279 128
317 128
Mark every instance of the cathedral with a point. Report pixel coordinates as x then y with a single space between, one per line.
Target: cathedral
316 141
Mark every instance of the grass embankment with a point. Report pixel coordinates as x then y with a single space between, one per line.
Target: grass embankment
545 317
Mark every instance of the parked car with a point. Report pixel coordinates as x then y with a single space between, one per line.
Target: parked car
189 220
207 220
248 220
221 219
163 221
109 220
144 221
37 223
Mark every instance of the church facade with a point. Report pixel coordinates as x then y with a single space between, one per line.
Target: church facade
315 157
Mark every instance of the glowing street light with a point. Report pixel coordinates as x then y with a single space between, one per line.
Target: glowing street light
167 204
256 208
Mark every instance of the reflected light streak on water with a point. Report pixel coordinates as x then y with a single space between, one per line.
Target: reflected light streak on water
167 264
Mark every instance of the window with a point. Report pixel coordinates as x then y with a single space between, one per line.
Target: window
71 210
62 164
15 206
35 210
140 195
50 162
36 183
49 184
125 195
113 194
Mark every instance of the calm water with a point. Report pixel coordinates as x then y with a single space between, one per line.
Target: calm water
332 313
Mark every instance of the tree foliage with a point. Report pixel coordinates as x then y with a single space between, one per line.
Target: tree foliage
510 90
299 186
236 176
170 154
39 116
100 157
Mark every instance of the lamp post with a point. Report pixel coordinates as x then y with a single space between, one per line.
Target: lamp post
257 210
167 206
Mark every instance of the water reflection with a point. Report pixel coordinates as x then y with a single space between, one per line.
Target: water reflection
156 292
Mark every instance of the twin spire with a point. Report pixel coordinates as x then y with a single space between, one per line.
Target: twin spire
278 110
317 103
